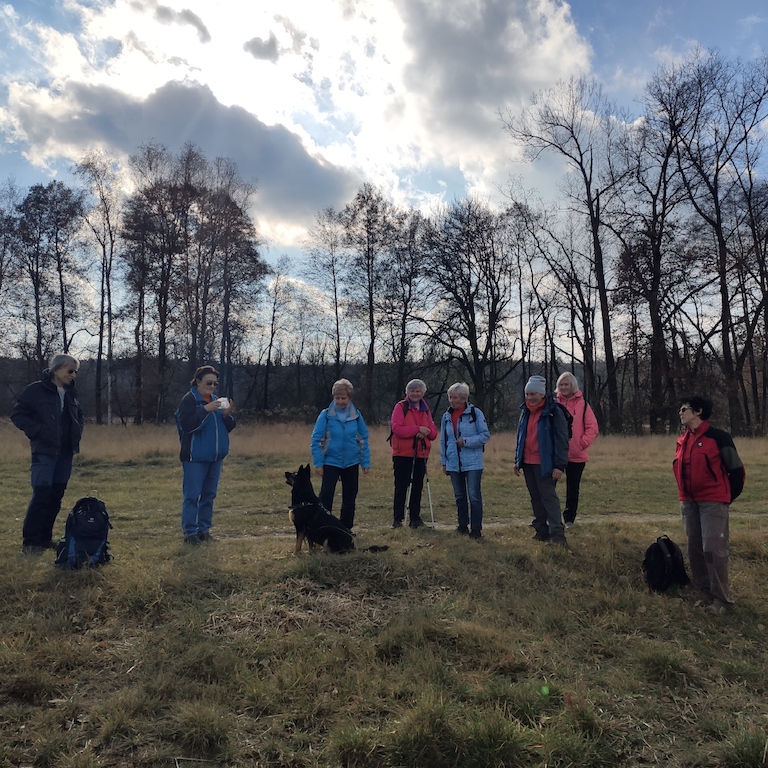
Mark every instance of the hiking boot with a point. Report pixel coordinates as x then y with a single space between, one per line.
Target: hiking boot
475 534
463 530
416 522
540 536
558 541
205 536
193 540
397 524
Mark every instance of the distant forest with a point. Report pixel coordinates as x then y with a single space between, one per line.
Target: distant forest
647 277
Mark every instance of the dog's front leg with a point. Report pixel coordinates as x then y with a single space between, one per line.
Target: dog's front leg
299 542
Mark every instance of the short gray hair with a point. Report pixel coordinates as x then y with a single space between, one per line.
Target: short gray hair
413 383
59 361
342 385
568 376
460 388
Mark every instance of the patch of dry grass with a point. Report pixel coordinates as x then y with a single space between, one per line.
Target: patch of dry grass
438 652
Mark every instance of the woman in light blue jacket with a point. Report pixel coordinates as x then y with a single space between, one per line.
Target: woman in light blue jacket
339 448
463 435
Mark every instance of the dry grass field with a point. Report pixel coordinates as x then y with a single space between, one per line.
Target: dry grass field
437 652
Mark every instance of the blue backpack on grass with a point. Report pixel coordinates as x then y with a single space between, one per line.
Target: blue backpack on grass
85 542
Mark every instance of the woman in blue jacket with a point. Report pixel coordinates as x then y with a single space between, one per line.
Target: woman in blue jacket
542 455
204 424
463 435
339 448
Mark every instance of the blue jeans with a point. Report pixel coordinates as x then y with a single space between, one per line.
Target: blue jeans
200 484
469 500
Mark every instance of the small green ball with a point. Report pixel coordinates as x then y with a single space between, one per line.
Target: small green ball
545 690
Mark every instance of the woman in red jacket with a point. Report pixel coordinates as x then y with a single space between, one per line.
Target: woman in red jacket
709 476
413 430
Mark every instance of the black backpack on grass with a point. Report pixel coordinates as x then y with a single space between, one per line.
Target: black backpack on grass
85 542
663 565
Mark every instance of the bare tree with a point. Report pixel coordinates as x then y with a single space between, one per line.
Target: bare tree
369 236
324 268
576 121
103 216
471 261
714 109
49 217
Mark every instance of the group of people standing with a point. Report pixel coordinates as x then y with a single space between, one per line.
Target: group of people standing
547 447
553 437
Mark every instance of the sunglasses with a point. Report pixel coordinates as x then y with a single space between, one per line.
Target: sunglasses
211 383
72 371
684 409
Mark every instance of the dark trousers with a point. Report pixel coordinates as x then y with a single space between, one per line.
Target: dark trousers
349 483
573 472
402 467
50 475
547 520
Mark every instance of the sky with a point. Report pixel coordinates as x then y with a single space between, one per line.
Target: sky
311 98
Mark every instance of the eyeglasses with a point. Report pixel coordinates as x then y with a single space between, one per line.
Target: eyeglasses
211 383
684 409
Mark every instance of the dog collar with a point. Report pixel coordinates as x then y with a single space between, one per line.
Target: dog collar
303 504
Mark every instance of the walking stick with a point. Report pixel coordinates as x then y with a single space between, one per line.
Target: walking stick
429 492
410 480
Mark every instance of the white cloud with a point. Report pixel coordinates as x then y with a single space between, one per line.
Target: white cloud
310 97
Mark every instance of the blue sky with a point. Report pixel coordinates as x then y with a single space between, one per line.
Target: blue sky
312 97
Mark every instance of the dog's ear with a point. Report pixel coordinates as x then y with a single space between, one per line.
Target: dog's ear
289 477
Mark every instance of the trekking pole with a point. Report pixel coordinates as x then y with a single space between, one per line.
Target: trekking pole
410 480
429 491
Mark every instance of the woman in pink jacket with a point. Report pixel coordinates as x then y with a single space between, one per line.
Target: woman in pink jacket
585 430
413 431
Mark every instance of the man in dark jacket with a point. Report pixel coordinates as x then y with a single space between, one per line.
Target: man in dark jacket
49 414
709 476
542 454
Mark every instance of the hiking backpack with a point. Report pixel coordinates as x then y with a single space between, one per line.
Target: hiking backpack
85 542
663 565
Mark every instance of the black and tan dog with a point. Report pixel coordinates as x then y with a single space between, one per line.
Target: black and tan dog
312 520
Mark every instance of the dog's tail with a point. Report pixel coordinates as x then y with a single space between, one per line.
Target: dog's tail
375 548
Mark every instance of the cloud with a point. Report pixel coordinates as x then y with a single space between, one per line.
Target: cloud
263 49
166 15
293 184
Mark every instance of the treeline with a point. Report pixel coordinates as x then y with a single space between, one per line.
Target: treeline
647 278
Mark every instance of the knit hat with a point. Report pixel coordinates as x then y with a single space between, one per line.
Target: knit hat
537 384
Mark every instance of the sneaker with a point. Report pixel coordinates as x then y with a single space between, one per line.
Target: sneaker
416 522
32 549
718 609
570 523
540 536
397 524
475 534
462 530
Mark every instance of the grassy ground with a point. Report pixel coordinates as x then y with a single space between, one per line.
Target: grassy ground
438 652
